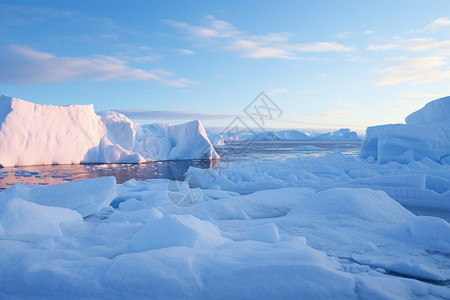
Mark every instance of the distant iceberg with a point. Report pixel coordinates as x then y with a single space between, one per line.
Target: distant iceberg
343 134
35 134
426 134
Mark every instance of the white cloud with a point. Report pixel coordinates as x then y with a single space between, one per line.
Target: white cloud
405 105
343 35
369 32
383 47
416 70
435 26
320 47
23 66
416 45
214 28
223 35
421 95
330 114
345 103
255 50
274 92
185 51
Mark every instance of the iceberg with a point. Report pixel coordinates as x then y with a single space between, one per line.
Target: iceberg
36 134
425 135
343 134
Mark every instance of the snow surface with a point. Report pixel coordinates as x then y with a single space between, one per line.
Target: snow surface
320 228
426 134
331 227
35 134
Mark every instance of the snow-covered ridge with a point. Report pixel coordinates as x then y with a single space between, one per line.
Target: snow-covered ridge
425 134
36 134
343 134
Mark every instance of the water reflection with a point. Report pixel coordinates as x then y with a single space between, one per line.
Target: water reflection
238 151
52 174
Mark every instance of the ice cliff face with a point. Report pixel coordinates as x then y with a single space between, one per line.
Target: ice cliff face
425 134
35 134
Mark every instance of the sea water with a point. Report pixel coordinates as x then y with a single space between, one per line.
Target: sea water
236 151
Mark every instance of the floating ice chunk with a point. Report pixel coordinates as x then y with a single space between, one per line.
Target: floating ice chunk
30 222
177 230
86 196
267 233
143 215
132 204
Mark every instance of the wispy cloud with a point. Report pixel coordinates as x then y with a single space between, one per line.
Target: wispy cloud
435 26
330 114
185 51
225 36
138 114
415 45
182 115
418 70
278 91
343 35
30 15
24 66
369 32
421 95
346 103
405 105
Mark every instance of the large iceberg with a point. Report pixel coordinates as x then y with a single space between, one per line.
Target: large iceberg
425 134
36 134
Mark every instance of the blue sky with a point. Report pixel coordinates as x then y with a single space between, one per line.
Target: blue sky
324 63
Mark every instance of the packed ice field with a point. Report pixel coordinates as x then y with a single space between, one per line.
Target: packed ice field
373 226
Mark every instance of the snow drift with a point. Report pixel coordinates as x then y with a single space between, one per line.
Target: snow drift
425 134
35 134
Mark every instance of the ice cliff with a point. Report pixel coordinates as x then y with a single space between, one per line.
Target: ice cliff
36 134
425 134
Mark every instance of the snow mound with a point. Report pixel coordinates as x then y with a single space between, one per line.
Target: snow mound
342 203
35 134
426 134
177 230
267 233
30 222
86 196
